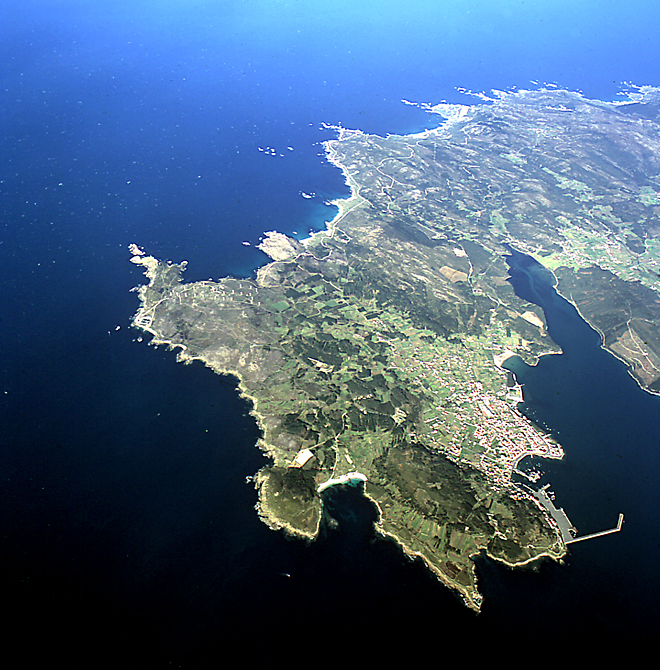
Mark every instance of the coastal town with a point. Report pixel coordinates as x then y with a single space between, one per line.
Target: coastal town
472 416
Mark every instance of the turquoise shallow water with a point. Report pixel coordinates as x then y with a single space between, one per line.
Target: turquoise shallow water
127 523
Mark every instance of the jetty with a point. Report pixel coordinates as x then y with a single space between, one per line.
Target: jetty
602 532
566 528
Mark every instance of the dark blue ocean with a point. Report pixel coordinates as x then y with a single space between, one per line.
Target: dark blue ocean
126 526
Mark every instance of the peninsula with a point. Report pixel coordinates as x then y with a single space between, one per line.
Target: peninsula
373 350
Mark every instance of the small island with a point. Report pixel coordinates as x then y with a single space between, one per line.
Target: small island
373 351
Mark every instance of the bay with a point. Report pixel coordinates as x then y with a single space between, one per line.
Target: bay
608 427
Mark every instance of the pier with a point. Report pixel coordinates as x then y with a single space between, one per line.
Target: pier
565 526
602 532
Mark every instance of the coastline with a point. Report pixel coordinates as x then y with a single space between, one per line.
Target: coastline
345 206
569 299
260 477
273 521
470 595
348 478
594 327
602 340
472 600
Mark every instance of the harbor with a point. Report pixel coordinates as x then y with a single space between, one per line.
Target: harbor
602 532
567 529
